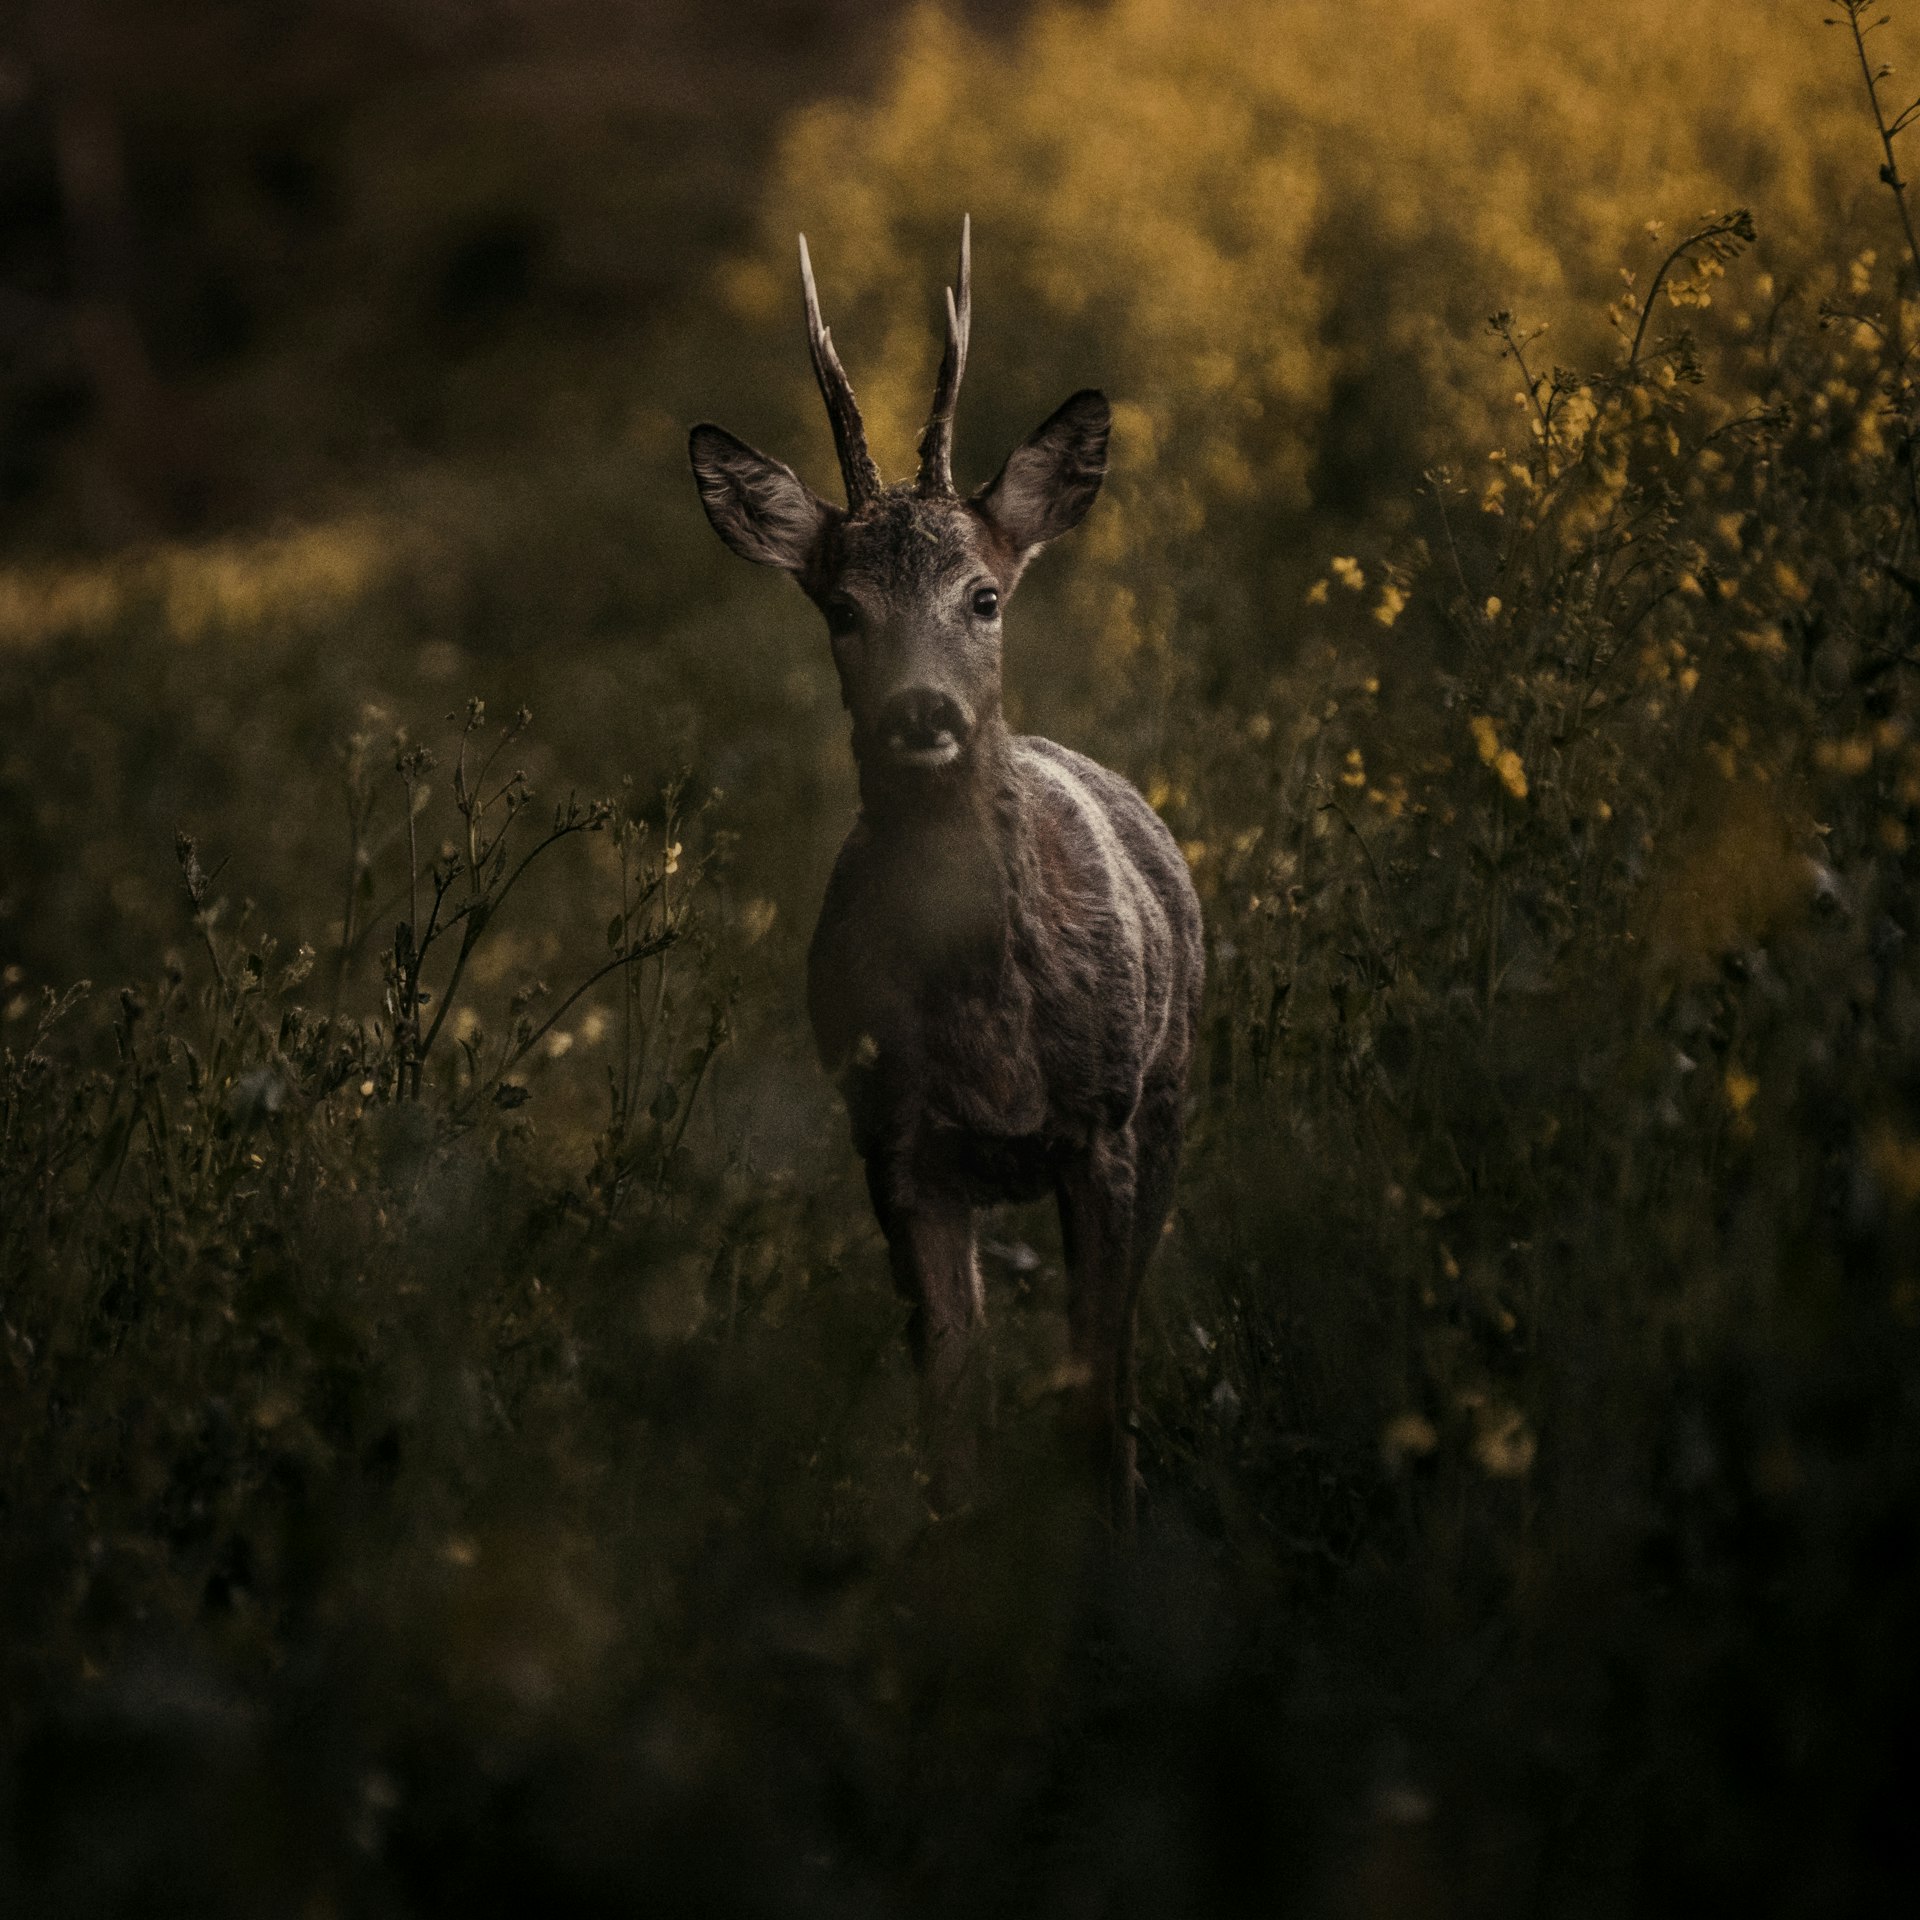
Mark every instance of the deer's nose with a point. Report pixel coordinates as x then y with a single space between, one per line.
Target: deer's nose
924 727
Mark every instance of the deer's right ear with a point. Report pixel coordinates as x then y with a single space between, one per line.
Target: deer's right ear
765 512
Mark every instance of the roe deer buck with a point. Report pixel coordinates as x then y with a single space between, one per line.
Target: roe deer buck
1006 973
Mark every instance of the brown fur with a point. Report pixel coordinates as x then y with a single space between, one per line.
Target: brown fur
1006 973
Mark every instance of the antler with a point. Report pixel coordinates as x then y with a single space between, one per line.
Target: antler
857 466
936 437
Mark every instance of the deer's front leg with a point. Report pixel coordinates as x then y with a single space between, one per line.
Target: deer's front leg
930 1246
1096 1190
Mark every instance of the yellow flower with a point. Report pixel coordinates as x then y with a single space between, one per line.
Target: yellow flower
1347 571
1853 755
1504 1444
1407 1436
1895 1157
1392 604
1741 1088
1503 760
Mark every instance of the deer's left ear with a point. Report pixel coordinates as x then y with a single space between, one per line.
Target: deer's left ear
764 511
1050 479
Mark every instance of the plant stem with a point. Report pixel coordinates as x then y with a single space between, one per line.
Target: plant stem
1890 172
1520 360
1712 231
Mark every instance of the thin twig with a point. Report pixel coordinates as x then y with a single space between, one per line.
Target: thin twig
1890 171
1503 325
645 951
1736 224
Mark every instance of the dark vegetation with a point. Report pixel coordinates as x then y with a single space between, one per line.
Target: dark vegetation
456 1438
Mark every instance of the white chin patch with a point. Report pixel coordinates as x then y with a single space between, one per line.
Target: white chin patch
944 750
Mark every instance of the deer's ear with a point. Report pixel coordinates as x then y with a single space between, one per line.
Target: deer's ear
1050 479
765 512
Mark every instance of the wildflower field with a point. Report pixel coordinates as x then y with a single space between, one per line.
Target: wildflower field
457 1439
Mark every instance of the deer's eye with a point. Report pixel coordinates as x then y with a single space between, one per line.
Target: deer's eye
842 616
986 602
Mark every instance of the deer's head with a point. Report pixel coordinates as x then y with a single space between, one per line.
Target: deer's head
912 578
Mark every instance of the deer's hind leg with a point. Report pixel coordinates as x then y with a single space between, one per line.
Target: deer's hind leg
936 1269
1159 1132
1098 1201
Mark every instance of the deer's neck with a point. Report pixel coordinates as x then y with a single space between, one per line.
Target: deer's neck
952 851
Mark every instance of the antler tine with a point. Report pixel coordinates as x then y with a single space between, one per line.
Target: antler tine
936 438
857 467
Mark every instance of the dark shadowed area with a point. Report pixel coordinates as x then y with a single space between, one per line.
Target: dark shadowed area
458 1440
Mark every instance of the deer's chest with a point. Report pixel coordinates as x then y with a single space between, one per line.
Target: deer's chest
919 1005
954 1044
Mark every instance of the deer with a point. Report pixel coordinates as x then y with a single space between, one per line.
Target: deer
1005 976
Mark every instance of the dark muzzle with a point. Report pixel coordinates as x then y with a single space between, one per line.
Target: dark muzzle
923 728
